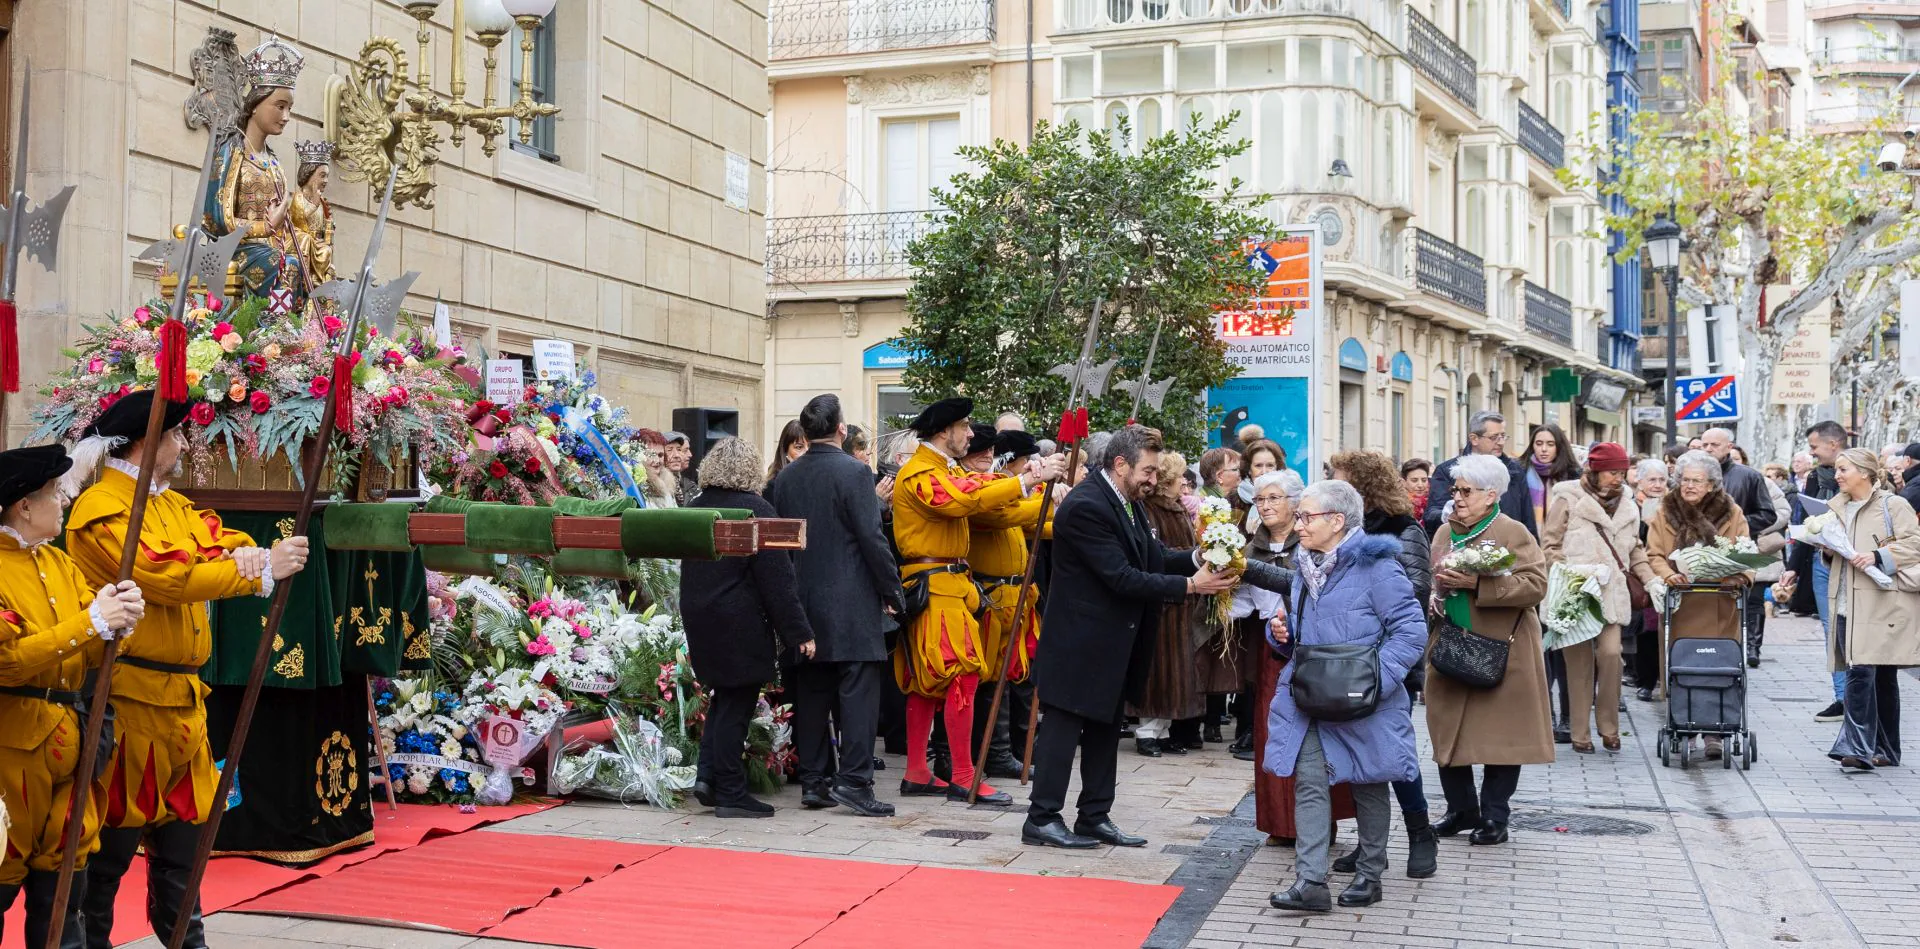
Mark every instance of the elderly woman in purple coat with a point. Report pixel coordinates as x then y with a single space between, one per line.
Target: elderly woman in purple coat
1348 587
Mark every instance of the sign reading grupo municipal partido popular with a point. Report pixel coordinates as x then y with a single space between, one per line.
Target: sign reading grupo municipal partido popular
1275 342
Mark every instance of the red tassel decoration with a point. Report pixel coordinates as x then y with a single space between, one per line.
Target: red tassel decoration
173 361
1080 426
1065 433
9 348
342 394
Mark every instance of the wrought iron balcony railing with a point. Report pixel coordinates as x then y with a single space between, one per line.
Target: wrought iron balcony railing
1442 60
1073 15
831 248
1446 270
1540 138
797 29
1549 314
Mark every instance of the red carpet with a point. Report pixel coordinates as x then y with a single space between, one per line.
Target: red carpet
712 898
464 883
233 880
1001 909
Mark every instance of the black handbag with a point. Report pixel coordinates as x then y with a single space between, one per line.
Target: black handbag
1337 682
1471 659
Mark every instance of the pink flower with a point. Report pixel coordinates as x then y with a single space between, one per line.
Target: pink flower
215 303
539 646
260 402
332 323
541 607
142 314
256 362
201 413
395 396
222 329
96 365
319 387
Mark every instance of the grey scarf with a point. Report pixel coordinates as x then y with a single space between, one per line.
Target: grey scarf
1315 574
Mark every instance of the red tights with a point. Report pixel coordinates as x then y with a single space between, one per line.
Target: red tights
959 714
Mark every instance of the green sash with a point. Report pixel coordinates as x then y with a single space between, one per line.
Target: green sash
1458 606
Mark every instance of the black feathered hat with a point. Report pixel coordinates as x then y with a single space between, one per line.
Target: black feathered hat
127 418
937 417
982 439
1014 443
26 470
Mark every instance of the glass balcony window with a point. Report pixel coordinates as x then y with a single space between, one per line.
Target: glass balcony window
797 29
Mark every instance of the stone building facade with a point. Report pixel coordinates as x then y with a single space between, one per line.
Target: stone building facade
621 238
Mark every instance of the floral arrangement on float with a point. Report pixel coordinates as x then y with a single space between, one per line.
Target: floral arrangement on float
561 439
257 386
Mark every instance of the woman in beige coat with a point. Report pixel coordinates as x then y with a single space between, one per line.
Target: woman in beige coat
1593 522
1875 631
1694 513
1510 724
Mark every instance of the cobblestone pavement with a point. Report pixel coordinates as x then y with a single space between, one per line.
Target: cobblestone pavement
1792 852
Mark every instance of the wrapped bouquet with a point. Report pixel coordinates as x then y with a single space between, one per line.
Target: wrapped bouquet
1825 530
1707 563
1485 559
1571 611
1222 548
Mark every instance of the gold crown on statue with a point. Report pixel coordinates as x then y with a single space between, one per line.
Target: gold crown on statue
274 64
314 153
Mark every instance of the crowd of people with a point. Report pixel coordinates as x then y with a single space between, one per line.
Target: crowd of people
911 604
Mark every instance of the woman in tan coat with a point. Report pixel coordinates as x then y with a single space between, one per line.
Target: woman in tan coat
1592 522
1694 513
1875 631
1510 724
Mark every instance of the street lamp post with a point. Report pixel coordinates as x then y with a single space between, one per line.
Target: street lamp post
1663 245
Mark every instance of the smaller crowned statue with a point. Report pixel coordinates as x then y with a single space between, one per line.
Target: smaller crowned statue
251 189
311 215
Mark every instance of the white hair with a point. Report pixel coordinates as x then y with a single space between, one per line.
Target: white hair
1486 472
1718 432
1701 460
1650 467
1337 497
1289 483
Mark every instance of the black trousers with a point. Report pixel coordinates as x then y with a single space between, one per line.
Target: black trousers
829 695
1490 801
1061 733
724 741
1872 703
1009 727
1557 682
1756 627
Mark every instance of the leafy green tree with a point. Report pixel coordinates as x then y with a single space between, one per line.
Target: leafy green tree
1028 238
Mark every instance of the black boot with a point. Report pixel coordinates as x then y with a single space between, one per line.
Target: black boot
40 886
1423 848
104 870
170 849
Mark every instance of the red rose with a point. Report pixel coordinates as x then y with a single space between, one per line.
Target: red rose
332 323
497 469
505 417
220 330
215 304
256 362
260 402
201 413
533 466
483 406
319 387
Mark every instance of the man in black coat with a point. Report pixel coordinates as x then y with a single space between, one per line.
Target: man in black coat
848 583
1486 435
1909 474
1110 579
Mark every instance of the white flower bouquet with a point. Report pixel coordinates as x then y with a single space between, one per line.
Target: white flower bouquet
1571 612
1825 530
1485 559
1222 547
1708 563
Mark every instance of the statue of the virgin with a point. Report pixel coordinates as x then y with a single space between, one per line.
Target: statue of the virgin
310 213
252 190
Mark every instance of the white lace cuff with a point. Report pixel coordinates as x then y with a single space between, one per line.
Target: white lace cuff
266 582
100 627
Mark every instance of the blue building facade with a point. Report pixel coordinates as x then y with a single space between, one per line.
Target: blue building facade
1620 34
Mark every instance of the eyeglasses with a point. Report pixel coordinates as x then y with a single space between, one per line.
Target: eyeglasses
1696 482
1502 437
1269 502
1303 517
1460 491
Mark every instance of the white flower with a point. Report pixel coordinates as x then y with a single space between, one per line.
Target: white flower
419 781
421 703
1216 556
1212 507
450 749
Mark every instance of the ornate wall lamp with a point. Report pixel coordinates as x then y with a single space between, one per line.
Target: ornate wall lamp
365 114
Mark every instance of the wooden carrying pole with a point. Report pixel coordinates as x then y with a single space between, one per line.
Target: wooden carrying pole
1074 391
303 517
129 548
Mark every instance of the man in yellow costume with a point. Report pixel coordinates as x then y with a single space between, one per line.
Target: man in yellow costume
940 659
162 780
998 557
53 628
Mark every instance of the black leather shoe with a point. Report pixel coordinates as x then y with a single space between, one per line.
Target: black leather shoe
747 808
1104 831
879 763
1562 736
815 797
933 788
703 792
1054 834
1361 892
1753 661
1303 897
1147 747
1488 833
1644 695
1246 755
1455 822
1242 742
1210 734
860 800
1003 766
1348 862
1172 746
991 798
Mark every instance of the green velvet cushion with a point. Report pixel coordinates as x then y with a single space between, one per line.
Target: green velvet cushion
578 562
369 527
445 504
581 507
510 529
669 533
449 559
